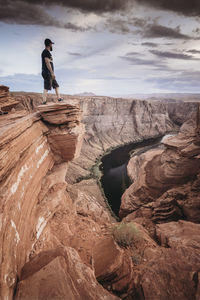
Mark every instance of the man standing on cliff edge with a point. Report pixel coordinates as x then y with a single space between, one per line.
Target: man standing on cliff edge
48 71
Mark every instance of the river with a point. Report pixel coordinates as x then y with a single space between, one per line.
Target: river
113 166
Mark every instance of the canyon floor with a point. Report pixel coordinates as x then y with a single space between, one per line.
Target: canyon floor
59 237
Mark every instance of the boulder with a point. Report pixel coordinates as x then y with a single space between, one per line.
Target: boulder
170 271
59 274
113 268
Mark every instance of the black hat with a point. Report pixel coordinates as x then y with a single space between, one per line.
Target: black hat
47 42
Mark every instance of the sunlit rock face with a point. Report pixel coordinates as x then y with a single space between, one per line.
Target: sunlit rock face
66 131
32 187
55 231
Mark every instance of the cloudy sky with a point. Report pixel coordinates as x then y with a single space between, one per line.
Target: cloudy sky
108 47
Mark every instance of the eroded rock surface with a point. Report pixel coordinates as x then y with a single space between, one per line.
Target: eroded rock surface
6 101
159 170
66 131
55 233
113 267
59 274
169 271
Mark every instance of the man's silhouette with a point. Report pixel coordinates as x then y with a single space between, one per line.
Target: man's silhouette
48 71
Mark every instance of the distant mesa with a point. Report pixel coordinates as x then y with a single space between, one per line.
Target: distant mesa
167 97
85 94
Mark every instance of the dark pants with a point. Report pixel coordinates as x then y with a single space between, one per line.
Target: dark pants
49 82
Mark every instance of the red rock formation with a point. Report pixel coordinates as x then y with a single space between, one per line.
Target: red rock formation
6 102
159 170
66 131
169 271
59 274
44 234
55 237
113 268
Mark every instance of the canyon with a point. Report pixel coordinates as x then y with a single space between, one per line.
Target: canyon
55 223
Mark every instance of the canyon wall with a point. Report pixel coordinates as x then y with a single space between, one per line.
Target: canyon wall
166 180
56 235
41 230
112 122
164 199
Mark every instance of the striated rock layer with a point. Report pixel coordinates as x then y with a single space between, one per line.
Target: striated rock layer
56 240
43 236
111 122
156 174
6 101
65 139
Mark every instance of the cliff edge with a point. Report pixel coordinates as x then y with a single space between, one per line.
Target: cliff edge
40 229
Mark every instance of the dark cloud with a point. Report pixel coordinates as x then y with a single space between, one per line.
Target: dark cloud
10 8
193 51
174 55
117 25
138 22
147 27
21 12
148 44
88 5
159 31
185 7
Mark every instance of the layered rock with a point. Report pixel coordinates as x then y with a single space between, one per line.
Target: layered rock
59 274
36 209
169 271
59 231
46 236
111 122
157 171
66 131
6 101
113 267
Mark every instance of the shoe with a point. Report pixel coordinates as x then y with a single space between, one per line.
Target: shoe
60 99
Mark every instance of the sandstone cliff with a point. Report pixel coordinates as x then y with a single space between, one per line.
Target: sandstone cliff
41 232
165 189
166 181
56 231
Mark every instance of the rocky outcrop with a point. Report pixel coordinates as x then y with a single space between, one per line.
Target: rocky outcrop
6 101
59 274
37 213
169 271
157 171
66 131
113 267
55 233
47 228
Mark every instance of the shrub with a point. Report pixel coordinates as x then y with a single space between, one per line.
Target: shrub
124 233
